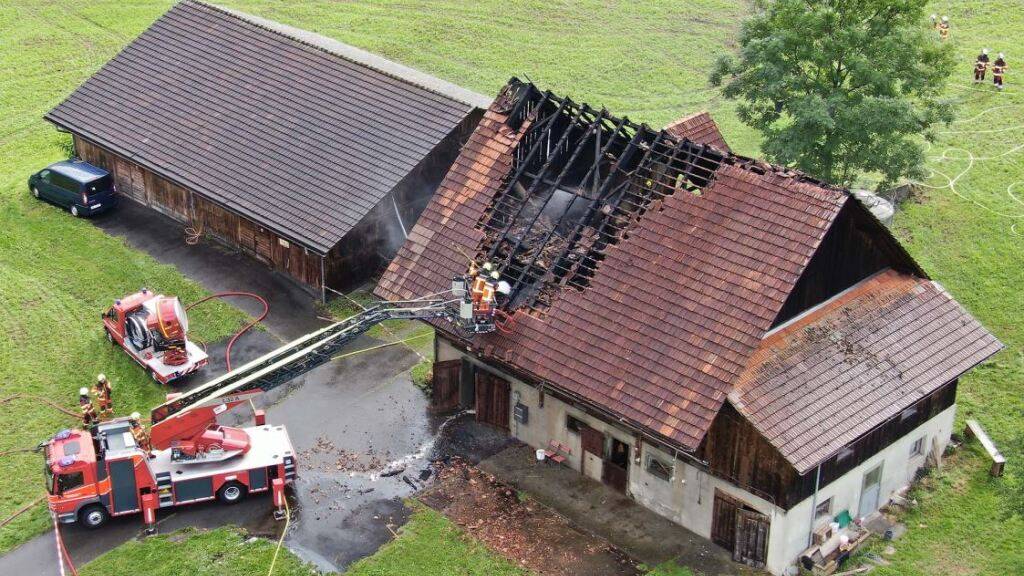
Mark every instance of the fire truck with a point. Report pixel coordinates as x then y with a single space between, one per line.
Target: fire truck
101 472
152 329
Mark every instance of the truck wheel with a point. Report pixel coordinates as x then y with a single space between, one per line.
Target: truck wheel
231 493
93 516
110 337
152 374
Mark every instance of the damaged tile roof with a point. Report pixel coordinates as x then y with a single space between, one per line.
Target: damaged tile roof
674 310
699 127
872 350
300 133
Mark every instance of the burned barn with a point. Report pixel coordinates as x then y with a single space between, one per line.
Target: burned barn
313 156
738 347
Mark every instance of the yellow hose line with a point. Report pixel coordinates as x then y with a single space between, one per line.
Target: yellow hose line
280 541
378 347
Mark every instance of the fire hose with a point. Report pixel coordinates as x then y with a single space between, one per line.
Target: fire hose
246 328
62 550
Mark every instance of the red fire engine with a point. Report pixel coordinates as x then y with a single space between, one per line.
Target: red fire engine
152 329
101 472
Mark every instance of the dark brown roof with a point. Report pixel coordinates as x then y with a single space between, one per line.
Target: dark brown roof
674 310
296 132
699 127
871 351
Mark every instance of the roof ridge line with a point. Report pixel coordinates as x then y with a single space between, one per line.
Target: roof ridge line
357 56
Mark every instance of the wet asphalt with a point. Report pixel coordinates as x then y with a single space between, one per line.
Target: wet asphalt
349 420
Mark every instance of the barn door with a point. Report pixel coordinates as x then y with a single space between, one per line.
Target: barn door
444 394
723 521
138 183
492 400
751 538
615 472
123 176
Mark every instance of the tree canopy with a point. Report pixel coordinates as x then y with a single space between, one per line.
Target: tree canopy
840 87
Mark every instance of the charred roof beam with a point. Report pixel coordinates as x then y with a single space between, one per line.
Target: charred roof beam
594 167
506 194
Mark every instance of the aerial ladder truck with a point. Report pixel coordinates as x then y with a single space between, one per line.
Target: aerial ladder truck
103 471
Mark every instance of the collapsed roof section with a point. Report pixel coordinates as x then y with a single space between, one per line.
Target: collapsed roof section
579 179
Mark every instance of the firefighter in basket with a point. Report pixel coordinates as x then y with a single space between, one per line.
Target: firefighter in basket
139 434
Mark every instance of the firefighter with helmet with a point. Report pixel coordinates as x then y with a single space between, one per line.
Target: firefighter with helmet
981 66
89 417
944 28
139 434
998 69
102 390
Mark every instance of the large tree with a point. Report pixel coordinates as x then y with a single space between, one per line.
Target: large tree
840 87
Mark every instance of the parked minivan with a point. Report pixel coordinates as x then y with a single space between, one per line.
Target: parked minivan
80 187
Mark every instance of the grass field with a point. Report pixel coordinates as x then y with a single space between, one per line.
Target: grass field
428 545
221 552
57 273
647 60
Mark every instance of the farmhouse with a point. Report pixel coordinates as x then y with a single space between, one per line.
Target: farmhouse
314 156
740 348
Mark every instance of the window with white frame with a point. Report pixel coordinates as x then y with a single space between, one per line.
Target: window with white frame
917 448
659 468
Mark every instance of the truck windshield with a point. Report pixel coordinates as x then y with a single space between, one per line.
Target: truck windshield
49 478
97 186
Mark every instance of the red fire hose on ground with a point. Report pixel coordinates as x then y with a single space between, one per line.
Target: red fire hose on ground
246 328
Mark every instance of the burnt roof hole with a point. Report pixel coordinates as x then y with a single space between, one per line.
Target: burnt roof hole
579 180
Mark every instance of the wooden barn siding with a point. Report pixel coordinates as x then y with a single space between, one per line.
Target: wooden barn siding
147 188
737 452
855 247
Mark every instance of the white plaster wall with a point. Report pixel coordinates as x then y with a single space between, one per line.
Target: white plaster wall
688 498
790 537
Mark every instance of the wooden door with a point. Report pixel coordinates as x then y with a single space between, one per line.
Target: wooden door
751 538
615 471
138 183
123 176
723 521
492 399
444 389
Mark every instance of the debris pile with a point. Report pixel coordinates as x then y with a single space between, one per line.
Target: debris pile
518 527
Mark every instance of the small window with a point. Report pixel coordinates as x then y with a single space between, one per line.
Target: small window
908 413
658 468
71 481
823 509
573 424
917 448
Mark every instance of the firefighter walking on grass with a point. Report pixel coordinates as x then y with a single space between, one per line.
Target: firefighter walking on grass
981 66
102 390
998 69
